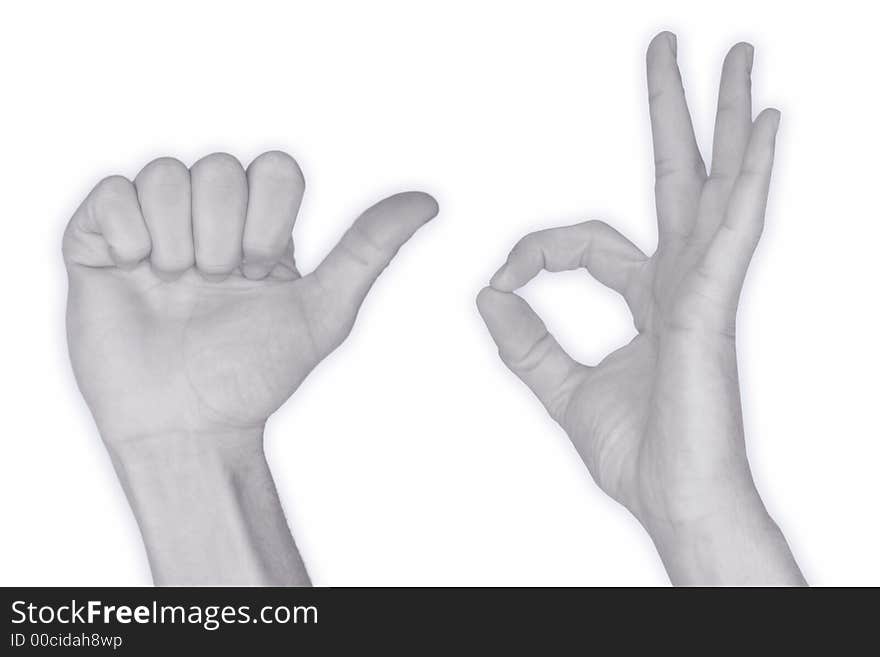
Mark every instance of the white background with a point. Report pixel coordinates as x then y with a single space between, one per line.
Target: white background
412 456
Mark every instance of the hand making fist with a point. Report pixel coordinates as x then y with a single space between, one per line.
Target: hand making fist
186 311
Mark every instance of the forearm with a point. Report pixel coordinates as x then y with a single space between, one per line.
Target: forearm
738 545
208 510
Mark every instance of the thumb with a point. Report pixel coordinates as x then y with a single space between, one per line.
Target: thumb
349 270
529 350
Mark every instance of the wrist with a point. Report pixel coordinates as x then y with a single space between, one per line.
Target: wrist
207 508
163 456
732 540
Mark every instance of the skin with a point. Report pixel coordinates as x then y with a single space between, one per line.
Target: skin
189 324
658 422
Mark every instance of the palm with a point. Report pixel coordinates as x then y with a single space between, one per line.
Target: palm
188 350
195 351
613 414
655 418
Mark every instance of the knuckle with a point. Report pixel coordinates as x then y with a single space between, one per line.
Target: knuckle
585 234
163 183
361 243
525 244
530 358
594 225
277 165
163 170
112 196
217 164
112 188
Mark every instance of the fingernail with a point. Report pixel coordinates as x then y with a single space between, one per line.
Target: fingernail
773 117
673 44
496 278
255 270
750 56
776 119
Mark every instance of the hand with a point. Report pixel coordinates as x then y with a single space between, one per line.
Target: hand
188 325
197 320
658 422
